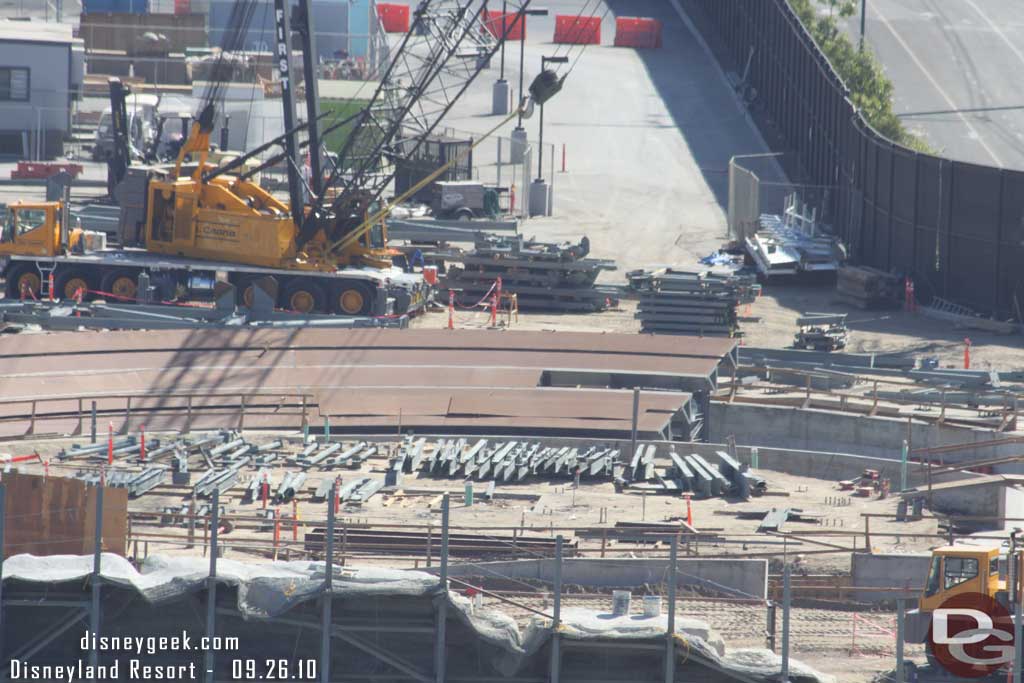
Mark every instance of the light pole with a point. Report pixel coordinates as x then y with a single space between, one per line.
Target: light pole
863 21
546 85
518 147
540 136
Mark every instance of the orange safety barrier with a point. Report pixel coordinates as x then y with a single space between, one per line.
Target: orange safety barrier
393 17
576 30
33 170
510 28
637 32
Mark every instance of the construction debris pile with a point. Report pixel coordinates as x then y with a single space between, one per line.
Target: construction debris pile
868 288
684 302
542 276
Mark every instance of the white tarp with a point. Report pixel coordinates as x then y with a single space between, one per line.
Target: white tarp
268 589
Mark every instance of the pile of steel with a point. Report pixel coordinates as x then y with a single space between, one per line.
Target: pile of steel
682 302
361 539
793 243
868 288
507 461
693 474
137 483
543 276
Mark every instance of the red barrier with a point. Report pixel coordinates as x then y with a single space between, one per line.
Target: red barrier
576 30
393 17
32 170
637 32
182 6
515 30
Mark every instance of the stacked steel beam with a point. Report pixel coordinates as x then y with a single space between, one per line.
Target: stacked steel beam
681 302
543 276
506 461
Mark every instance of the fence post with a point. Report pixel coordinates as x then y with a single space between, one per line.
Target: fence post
211 586
328 591
92 428
1018 646
556 622
899 640
785 623
442 606
670 632
636 416
97 541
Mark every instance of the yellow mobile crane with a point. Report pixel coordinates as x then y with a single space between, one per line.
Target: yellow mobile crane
327 246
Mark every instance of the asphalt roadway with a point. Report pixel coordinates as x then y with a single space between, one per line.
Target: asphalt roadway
958 71
648 135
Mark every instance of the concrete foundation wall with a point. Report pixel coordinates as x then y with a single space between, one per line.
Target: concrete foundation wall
738 578
881 437
888 571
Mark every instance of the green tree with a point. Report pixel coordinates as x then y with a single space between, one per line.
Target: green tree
870 90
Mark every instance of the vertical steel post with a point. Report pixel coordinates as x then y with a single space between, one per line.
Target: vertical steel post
670 632
785 624
899 639
327 428
540 141
556 622
1018 636
328 596
97 550
903 466
211 587
442 606
636 417
92 430
504 11
522 64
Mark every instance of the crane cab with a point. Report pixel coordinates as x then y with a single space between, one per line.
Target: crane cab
31 229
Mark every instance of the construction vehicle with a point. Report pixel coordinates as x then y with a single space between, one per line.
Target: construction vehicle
968 574
821 332
327 246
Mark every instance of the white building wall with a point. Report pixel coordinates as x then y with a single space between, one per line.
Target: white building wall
48 104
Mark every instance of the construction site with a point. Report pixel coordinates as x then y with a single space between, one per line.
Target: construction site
324 357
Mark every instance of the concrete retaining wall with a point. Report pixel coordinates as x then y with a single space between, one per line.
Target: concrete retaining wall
880 437
738 578
888 571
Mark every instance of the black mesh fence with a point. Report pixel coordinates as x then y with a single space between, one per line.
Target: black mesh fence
956 228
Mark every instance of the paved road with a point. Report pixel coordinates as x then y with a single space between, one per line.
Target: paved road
648 134
958 68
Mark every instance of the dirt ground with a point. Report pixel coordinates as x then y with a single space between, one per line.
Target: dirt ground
542 506
771 322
